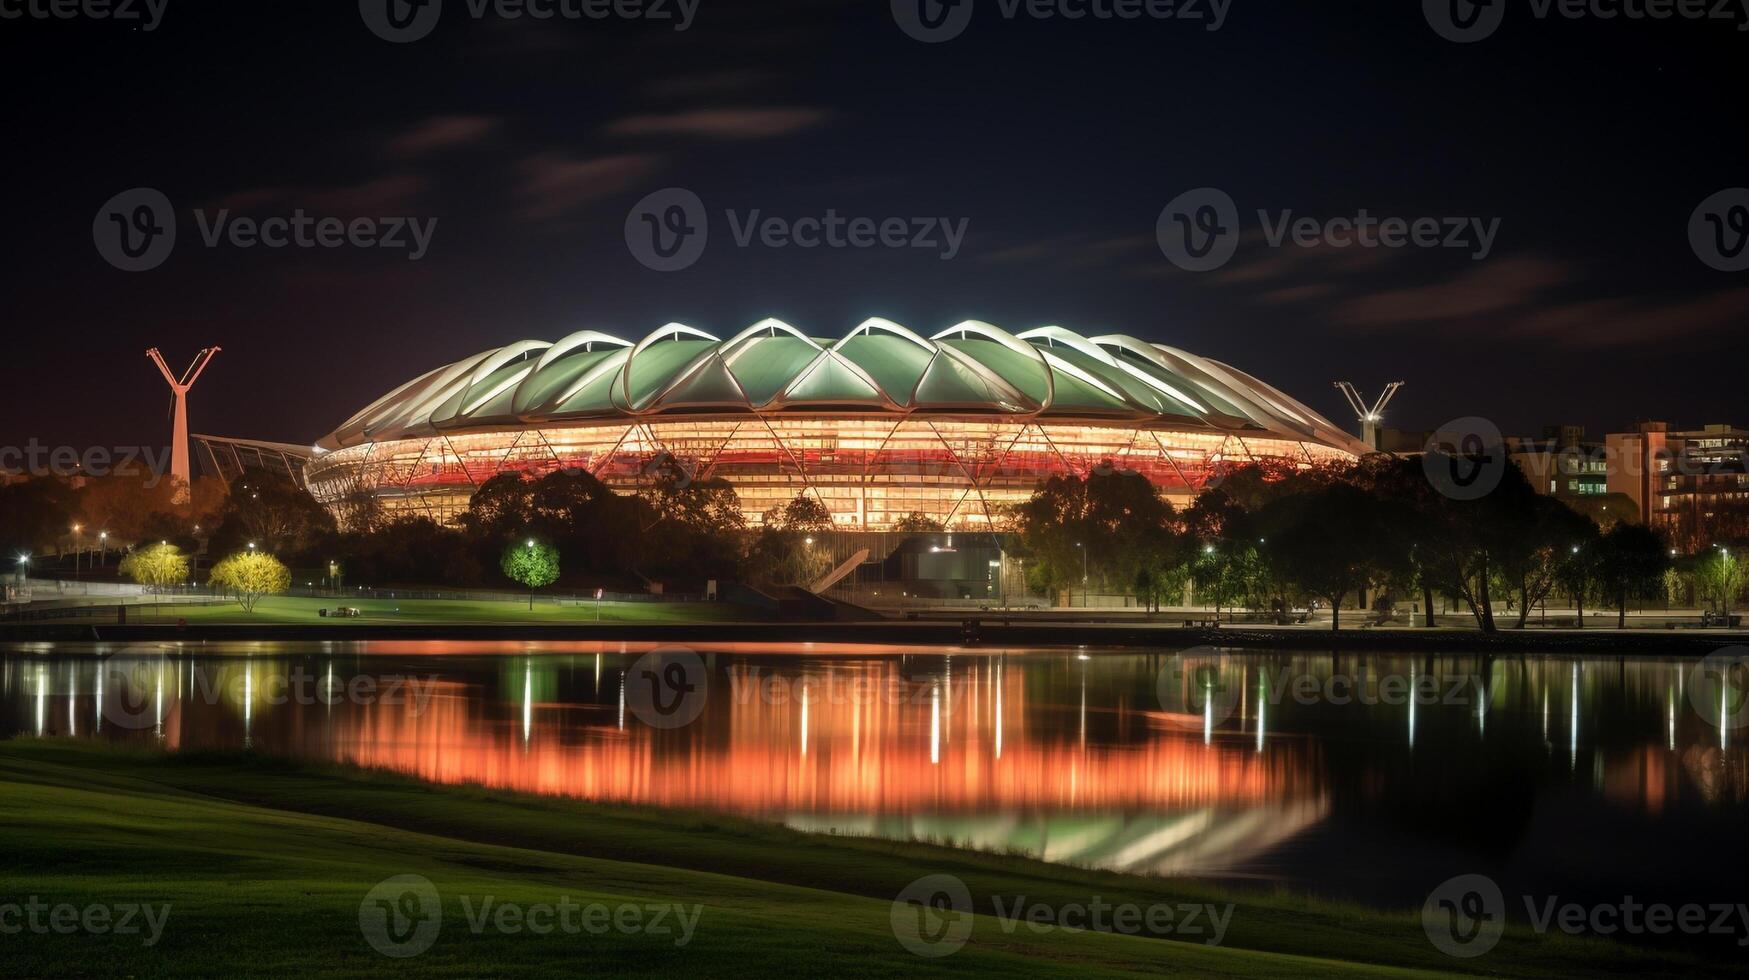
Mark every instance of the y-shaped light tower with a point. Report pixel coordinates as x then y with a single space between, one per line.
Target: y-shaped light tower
179 408
1369 417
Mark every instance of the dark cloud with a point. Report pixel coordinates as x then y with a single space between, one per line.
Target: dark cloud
1488 288
1624 321
441 133
550 184
395 194
723 124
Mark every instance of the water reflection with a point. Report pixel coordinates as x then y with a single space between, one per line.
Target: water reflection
1211 763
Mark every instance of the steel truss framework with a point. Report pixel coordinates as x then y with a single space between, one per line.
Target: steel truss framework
868 471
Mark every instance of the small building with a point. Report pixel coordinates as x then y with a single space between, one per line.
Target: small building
1691 484
1563 464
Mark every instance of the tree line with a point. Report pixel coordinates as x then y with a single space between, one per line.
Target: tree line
1279 538
1274 538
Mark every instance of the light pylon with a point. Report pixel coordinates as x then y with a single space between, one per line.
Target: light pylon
1369 417
179 467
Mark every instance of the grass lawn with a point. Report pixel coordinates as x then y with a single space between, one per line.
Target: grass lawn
296 609
264 865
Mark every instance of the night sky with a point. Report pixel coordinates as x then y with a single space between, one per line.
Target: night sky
1058 142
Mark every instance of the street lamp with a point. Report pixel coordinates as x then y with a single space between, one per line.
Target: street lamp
1083 574
78 547
103 547
251 546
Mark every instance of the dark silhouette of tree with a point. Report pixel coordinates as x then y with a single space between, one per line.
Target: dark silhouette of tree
917 522
1331 541
1579 569
273 512
1633 562
1111 527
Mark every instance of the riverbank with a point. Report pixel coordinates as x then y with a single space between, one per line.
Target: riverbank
264 865
971 632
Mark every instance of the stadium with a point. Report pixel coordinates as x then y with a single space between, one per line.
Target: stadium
879 424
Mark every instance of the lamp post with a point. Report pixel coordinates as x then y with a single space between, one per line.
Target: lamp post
103 547
78 547
1083 574
530 588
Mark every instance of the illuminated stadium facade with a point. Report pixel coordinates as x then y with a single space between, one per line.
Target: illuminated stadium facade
878 425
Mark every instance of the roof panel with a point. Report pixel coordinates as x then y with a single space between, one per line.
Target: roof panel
971 367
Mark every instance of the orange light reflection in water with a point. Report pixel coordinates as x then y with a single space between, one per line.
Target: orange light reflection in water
928 745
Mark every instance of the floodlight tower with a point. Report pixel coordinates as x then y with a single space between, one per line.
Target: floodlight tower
1369 417
179 409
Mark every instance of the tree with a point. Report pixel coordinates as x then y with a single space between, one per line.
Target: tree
1580 570
500 507
1108 527
1543 533
1414 524
1719 578
132 505
250 575
786 556
274 514
531 563
35 514
691 528
1473 543
917 522
805 513
1632 563
156 566
408 550
1334 544
1222 548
